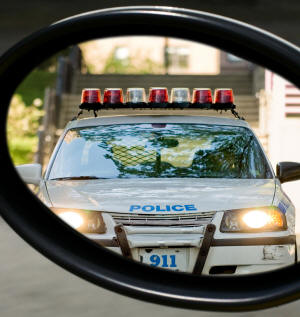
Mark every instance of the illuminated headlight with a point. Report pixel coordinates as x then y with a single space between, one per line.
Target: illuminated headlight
253 220
84 221
73 219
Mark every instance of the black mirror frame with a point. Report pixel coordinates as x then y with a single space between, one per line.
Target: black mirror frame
36 224
288 171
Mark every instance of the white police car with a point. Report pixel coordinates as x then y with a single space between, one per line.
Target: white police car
185 192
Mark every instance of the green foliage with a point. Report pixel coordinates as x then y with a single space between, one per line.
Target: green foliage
130 65
116 66
24 115
34 86
22 149
50 64
22 127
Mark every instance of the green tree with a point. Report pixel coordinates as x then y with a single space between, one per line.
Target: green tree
22 127
130 65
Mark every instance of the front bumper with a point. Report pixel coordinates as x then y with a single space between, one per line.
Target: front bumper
205 253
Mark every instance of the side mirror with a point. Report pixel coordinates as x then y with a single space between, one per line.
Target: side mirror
65 246
30 173
288 171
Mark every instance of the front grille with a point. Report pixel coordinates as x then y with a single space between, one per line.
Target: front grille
191 220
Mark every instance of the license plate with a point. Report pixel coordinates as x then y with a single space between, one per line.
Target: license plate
170 258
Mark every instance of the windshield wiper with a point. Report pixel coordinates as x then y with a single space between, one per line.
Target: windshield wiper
76 178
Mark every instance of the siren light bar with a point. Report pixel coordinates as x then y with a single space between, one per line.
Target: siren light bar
158 98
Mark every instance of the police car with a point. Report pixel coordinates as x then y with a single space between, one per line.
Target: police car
185 192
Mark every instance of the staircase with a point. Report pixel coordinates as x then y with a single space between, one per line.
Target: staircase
247 104
241 83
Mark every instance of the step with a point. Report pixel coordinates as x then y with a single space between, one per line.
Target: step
242 84
247 106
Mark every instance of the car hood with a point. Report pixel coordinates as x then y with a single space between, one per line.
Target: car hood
187 195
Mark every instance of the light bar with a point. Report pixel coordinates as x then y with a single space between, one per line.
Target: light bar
136 97
90 96
158 98
202 98
158 95
180 97
113 97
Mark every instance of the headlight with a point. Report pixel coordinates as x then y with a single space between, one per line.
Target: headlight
84 221
72 218
253 220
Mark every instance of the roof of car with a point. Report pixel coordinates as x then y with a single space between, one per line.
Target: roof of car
132 119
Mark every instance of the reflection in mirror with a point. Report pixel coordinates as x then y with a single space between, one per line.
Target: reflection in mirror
158 168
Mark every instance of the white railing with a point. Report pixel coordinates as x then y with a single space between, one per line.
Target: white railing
292 99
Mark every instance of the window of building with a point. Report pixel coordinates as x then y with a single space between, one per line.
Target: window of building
178 57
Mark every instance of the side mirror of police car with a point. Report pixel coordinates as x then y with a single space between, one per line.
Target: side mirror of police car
288 171
30 173
73 251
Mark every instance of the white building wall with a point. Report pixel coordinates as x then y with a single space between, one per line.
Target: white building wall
283 135
202 59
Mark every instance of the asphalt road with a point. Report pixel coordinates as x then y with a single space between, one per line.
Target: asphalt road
31 285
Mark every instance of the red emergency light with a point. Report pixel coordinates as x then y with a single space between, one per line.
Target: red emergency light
202 98
90 96
113 97
223 95
158 96
90 100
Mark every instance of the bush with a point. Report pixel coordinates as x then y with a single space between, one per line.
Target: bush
22 127
34 84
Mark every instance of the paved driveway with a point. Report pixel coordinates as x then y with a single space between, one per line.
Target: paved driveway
32 286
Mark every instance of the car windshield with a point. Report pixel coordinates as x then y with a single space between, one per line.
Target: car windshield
159 151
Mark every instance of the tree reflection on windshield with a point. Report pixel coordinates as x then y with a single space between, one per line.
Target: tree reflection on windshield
160 151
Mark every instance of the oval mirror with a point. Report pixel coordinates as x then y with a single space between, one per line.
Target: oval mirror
134 142
183 182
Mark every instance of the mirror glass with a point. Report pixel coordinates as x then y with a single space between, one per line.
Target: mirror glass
179 176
